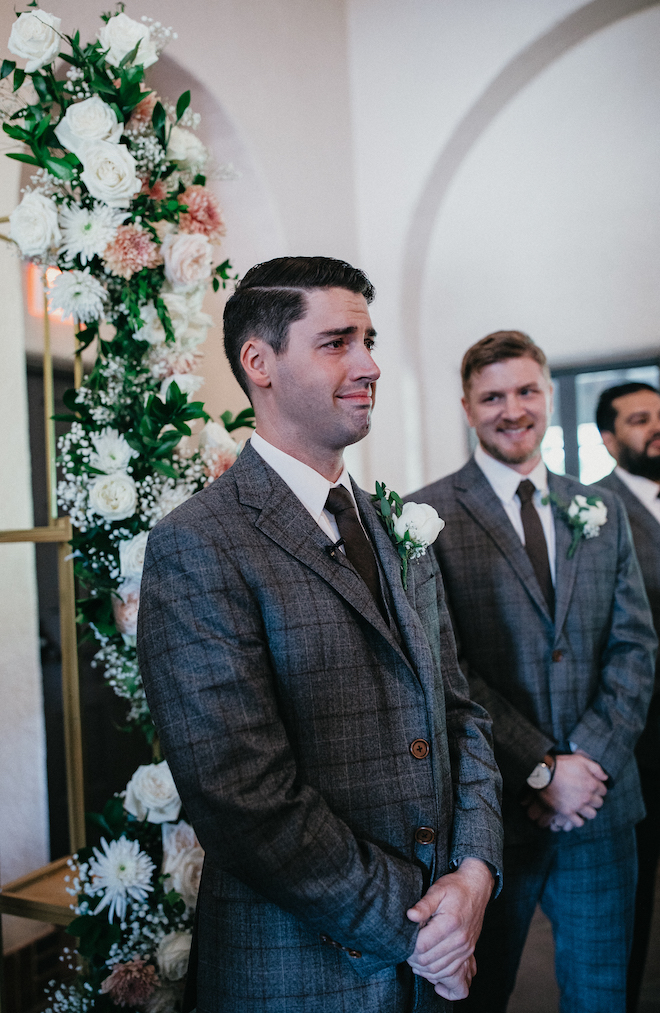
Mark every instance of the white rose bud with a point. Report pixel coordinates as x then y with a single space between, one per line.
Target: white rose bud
113 497
131 556
185 148
421 521
35 38
214 436
151 794
120 35
172 955
33 225
188 259
86 122
109 173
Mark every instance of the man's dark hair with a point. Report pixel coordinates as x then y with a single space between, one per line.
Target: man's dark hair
271 296
606 412
497 347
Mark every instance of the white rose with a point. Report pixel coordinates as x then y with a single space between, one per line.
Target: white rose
185 148
172 955
131 556
577 504
151 794
152 330
421 521
33 225
120 35
597 514
185 871
109 173
188 259
113 453
86 122
113 497
214 436
35 38
176 838
187 383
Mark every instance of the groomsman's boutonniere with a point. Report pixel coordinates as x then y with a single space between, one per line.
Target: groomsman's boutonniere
584 514
411 526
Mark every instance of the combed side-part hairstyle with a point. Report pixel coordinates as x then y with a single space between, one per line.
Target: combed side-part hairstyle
497 347
271 296
606 413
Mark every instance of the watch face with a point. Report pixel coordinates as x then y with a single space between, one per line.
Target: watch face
540 776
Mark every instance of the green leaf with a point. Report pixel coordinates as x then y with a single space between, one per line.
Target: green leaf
128 59
41 87
59 167
166 469
17 133
19 77
158 119
199 179
7 67
20 157
182 105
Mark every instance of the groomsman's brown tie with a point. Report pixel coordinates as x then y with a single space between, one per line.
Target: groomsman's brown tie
357 545
535 543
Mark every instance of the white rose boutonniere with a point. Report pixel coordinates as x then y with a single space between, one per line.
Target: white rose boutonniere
584 514
411 526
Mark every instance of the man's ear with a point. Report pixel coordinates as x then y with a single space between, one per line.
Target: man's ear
466 409
612 444
254 360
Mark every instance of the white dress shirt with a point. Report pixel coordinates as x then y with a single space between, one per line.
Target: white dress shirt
505 481
644 489
308 485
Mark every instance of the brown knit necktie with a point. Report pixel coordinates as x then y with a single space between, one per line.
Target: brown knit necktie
357 545
535 543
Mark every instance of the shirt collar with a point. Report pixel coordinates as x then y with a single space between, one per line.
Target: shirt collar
308 485
644 488
505 480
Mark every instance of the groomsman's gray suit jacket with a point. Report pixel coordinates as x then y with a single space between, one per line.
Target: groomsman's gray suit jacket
646 538
288 711
585 677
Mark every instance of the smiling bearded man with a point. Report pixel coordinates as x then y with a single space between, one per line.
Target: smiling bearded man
556 637
312 710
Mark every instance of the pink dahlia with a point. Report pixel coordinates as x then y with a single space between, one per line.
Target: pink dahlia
130 251
157 192
132 983
203 214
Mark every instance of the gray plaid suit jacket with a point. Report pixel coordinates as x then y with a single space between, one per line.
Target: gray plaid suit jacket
287 707
585 677
646 538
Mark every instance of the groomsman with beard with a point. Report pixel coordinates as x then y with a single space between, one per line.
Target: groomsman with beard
558 644
628 417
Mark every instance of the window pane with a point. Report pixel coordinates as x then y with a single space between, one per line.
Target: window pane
552 450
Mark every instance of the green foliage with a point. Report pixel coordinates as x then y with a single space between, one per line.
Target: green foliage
390 505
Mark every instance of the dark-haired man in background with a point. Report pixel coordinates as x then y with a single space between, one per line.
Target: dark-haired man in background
312 710
628 417
559 648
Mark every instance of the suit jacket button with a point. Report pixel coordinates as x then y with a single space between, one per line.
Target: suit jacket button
424 835
325 939
557 655
419 748
354 953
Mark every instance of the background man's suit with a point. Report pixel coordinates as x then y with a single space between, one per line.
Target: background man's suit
646 537
287 708
584 677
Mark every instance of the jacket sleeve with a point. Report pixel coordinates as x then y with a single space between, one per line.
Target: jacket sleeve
477 783
210 684
610 727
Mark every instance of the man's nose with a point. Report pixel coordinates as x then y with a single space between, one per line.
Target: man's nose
514 408
364 366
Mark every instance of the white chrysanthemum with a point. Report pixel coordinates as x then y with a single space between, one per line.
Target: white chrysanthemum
78 294
112 452
86 232
121 873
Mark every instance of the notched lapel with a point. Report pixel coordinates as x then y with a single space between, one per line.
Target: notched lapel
285 520
565 568
475 493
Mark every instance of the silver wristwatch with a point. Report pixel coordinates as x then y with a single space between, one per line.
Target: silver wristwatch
542 775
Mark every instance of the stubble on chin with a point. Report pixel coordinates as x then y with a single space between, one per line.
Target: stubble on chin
511 458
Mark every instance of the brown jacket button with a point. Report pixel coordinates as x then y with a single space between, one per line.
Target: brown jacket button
424 835
354 953
557 655
419 748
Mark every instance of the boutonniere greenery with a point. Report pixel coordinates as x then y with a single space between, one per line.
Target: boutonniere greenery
585 515
411 526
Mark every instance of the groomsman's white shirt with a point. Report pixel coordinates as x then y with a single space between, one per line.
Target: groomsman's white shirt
644 489
505 481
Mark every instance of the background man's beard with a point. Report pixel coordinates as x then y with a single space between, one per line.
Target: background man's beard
640 464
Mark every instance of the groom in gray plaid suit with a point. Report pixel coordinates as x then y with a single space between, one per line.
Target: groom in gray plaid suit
312 710
557 638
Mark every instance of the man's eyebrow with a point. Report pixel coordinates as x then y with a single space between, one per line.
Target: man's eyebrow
340 331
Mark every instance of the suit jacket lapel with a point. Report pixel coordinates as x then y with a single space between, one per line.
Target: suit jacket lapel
475 493
285 520
565 568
